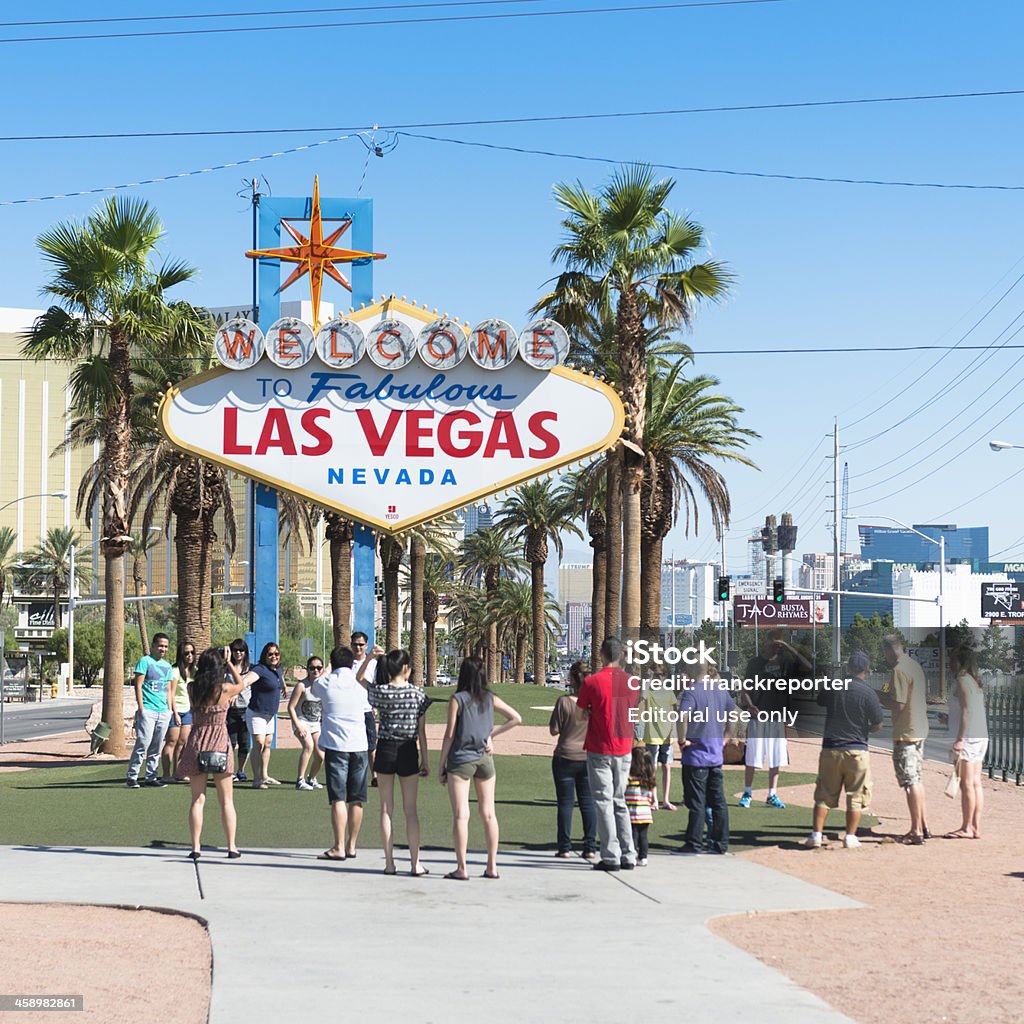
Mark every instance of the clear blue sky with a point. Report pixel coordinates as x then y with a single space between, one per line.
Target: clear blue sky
471 230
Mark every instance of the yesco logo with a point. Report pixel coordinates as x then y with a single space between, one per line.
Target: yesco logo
390 343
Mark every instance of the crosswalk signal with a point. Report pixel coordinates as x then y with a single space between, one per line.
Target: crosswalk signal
779 591
723 588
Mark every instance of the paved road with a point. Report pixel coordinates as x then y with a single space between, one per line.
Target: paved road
26 721
295 939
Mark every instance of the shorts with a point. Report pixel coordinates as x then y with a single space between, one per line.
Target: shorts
482 768
346 773
258 725
975 750
184 718
908 759
397 757
371 731
661 753
765 751
313 728
839 770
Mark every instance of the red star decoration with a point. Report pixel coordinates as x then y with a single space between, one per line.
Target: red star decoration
315 255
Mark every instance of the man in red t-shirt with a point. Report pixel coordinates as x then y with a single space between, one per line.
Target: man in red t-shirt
607 697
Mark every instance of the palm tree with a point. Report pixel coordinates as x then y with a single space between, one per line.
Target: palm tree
47 568
512 606
535 513
340 533
626 255
487 556
139 550
110 308
8 560
437 586
392 550
689 425
431 539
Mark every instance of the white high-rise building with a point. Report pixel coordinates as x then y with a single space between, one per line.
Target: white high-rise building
694 585
961 596
577 618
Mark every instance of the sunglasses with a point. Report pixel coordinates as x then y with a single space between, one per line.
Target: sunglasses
359 645
316 668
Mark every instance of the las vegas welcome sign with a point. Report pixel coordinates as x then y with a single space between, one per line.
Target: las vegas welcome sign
392 416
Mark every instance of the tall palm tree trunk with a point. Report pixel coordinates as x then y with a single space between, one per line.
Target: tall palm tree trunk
340 535
613 527
417 556
116 445
520 658
599 574
539 625
139 579
493 660
430 638
391 551
204 599
188 543
650 591
632 338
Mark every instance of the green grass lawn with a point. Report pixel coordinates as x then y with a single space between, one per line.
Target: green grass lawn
526 699
90 806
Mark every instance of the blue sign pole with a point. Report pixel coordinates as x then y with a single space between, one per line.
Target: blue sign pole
264 570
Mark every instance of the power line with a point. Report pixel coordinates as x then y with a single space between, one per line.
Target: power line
227 15
533 119
435 20
713 170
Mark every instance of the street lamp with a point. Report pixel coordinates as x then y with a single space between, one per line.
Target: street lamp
998 446
44 494
941 542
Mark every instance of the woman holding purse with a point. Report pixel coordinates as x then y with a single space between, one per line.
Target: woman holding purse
968 727
208 748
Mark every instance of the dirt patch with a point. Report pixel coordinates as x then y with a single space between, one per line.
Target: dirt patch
128 965
937 936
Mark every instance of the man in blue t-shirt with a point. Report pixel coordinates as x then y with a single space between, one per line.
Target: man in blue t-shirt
153 694
705 710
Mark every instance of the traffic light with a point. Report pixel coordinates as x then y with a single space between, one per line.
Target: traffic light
779 590
723 588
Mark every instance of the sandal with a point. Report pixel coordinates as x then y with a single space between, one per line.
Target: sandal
912 839
419 874
455 876
487 874
958 833
393 871
330 855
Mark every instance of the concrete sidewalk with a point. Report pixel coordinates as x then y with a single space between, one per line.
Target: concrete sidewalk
296 938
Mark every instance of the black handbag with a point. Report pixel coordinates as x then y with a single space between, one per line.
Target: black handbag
213 761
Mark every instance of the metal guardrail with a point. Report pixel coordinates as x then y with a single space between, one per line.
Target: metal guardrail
1004 713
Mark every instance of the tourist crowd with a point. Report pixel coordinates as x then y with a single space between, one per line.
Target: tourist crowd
362 721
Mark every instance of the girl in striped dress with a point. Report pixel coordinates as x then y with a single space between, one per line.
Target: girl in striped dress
640 800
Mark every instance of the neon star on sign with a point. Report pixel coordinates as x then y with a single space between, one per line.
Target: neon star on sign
315 255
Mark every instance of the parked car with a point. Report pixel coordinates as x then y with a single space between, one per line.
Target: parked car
528 677
443 679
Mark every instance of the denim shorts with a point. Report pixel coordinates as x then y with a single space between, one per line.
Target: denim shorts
184 718
371 731
346 773
661 753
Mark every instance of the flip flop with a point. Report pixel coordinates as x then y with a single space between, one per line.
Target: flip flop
350 856
328 855
272 782
455 876
957 833
393 871
420 873
487 874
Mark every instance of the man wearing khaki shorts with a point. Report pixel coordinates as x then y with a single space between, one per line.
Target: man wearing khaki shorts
851 712
906 696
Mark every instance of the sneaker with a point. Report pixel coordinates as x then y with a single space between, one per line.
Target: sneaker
241 777
313 784
774 801
850 842
812 842
606 865
304 786
626 865
155 784
133 784
642 862
745 800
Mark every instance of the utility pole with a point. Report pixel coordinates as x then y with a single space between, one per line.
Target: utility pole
255 195
836 527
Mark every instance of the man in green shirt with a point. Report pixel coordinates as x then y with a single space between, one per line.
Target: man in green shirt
153 695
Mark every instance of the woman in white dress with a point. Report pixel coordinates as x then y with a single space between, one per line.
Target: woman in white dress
969 730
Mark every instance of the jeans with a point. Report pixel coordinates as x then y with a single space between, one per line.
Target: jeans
571 782
608 775
640 839
150 729
703 790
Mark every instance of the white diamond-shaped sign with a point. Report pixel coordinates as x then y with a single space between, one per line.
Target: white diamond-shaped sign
392 448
